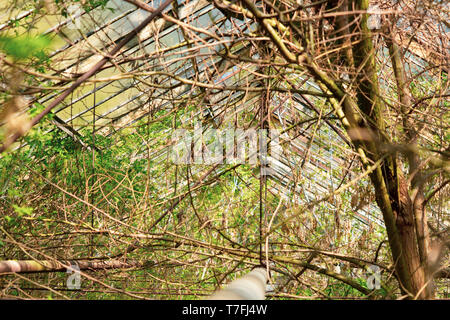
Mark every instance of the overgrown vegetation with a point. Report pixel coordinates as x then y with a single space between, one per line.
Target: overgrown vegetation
355 208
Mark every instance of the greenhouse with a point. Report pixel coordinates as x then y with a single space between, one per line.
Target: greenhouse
179 150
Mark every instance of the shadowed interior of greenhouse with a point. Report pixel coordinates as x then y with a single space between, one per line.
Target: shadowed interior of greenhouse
164 149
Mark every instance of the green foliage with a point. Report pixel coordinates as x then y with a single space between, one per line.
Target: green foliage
92 4
36 109
340 289
88 5
25 47
23 210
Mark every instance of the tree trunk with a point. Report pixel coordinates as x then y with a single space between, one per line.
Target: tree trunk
407 229
404 229
408 237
